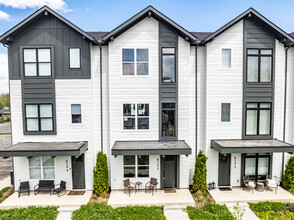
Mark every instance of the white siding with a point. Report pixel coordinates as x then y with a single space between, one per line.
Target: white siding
236 170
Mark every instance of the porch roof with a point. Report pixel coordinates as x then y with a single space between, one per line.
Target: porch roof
30 149
251 146
150 148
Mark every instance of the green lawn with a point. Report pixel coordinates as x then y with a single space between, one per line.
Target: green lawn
273 210
210 211
5 133
103 211
30 213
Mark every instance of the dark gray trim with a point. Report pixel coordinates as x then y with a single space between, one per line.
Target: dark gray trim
34 16
151 152
278 31
143 14
177 171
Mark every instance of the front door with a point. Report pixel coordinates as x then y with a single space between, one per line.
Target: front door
224 170
169 171
78 172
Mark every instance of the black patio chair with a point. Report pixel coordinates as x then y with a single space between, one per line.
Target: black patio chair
61 188
24 187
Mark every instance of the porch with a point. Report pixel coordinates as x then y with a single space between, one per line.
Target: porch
237 194
181 197
45 199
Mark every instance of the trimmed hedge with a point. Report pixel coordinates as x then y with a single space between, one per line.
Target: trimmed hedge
200 173
288 179
210 211
101 185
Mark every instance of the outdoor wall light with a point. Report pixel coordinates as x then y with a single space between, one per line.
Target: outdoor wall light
213 185
209 186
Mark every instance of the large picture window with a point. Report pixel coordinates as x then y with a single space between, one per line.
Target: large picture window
257 166
168 62
168 119
135 62
41 167
37 61
259 65
39 117
258 118
136 166
135 116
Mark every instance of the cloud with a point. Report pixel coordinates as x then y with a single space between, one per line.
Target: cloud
4 16
3 73
59 5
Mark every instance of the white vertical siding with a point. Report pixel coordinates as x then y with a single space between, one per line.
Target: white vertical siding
236 170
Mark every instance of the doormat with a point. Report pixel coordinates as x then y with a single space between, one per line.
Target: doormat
76 193
169 190
225 189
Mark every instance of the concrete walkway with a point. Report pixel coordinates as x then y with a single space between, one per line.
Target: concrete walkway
5 182
175 212
248 214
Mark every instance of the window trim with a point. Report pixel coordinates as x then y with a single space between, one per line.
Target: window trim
221 58
135 116
258 117
259 55
135 62
137 166
41 168
39 119
161 65
176 122
74 68
37 61
76 114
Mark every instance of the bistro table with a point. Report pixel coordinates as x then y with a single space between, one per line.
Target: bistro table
138 186
259 186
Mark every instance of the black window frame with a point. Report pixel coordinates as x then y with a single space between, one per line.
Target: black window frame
71 68
37 61
136 117
259 55
39 118
258 109
175 118
72 115
175 67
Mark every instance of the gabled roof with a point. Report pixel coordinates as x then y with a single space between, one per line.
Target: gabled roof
271 26
32 17
147 12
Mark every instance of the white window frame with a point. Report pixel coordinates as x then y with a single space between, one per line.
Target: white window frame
80 58
136 116
221 58
230 119
42 168
70 107
137 166
135 62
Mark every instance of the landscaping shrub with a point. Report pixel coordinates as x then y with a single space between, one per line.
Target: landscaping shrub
101 174
30 213
267 206
103 211
199 177
210 211
288 179
199 214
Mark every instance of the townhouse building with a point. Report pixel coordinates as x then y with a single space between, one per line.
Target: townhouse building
150 94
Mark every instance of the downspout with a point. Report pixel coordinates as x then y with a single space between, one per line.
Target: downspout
196 102
285 104
101 101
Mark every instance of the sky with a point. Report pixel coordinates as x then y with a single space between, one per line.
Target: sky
105 15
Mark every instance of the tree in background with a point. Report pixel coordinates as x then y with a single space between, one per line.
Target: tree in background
101 185
4 100
288 179
200 173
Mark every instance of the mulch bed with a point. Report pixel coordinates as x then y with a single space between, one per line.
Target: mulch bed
76 193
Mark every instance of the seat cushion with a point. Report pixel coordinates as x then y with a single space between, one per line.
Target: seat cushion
271 182
251 184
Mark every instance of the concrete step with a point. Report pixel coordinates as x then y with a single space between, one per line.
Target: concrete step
68 208
64 216
174 207
241 205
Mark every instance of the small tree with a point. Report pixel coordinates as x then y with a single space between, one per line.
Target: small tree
288 179
101 185
199 177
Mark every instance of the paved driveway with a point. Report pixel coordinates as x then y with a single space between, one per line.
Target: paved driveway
5 141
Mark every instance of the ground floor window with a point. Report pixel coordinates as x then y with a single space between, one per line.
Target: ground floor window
257 166
42 167
136 166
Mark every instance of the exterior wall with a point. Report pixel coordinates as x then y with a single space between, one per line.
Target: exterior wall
236 179
290 98
223 86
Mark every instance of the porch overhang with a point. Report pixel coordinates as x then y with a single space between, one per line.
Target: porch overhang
32 149
251 146
150 148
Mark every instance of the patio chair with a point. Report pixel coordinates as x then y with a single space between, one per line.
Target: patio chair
44 186
128 185
61 188
248 183
151 185
24 187
272 182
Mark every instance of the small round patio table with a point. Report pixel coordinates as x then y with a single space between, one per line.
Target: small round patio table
259 186
138 186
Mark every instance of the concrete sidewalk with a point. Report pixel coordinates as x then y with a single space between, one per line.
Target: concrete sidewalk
248 214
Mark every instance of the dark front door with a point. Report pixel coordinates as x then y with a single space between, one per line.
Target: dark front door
224 170
78 172
169 171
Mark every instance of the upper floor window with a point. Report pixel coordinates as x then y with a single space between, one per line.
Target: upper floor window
135 116
258 118
225 112
168 120
259 65
226 58
76 113
168 63
39 117
74 58
37 61
135 62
